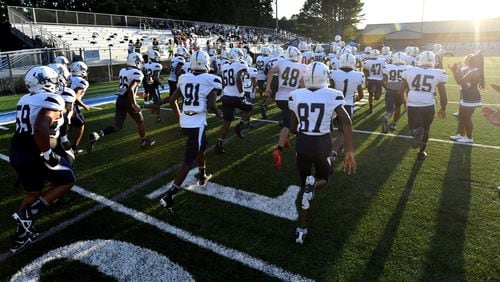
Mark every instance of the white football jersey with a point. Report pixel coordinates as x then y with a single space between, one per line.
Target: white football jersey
410 60
261 63
152 71
175 61
347 83
78 82
127 76
318 57
186 68
422 84
374 68
28 108
393 73
334 61
315 109
247 79
195 89
229 72
290 74
220 63
307 57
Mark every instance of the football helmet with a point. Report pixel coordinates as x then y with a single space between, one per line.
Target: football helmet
354 50
154 55
407 50
266 51
235 55
293 54
374 53
62 73
426 59
277 51
303 46
399 58
341 44
347 60
368 49
61 60
414 51
135 60
317 75
386 50
249 60
338 38
183 52
200 61
41 79
437 48
224 54
212 52
318 49
80 68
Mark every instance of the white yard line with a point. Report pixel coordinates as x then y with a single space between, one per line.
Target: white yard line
282 206
4 128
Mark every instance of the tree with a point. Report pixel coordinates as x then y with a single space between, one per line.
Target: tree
327 18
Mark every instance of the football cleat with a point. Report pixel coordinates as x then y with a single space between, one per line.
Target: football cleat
263 111
418 134
146 143
421 155
167 202
300 235
24 220
218 149
21 241
93 137
76 150
333 157
385 126
237 130
308 193
455 137
203 179
277 158
465 139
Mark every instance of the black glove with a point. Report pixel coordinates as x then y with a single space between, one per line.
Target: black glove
51 158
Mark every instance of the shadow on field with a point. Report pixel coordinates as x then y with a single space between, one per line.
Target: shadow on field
445 260
379 256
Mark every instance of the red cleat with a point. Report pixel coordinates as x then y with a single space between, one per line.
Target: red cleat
277 158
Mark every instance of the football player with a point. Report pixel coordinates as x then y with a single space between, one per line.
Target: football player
233 96
347 80
372 69
152 80
222 61
176 67
130 80
411 55
213 61
31 155
276 55
313 109
386 53
250 81
290 72
438 50
199 90
60 65
392 84
261 63
305 50
333 56
422 82
319 54
79 84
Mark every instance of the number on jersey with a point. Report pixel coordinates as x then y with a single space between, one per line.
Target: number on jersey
395 75
191 96
305 112
422 83
375 69
228 77
290 77
23 124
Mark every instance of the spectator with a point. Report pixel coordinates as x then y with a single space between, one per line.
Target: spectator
130 46
137 46
155 44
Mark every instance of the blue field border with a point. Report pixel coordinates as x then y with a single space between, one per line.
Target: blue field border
10 117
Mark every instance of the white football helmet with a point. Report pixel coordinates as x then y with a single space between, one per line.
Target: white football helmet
414 51
154 55
135 60
266 51
374 53
316 75
341 44
407 50
318 49
61 60
347 60
303 46
224 54
249 60
437 48
62 73
338 38
200 61
235 55
212 52
398 58
368 49
277 51
293 54
386 50
79 68
183 52
426 59
41 79
354 50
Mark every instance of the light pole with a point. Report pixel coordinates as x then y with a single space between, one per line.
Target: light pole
276 3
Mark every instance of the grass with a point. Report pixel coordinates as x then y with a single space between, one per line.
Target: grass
396 219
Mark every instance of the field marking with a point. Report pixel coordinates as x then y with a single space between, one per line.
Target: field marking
4 128
283 206
121 260
484 104
184 235
5 158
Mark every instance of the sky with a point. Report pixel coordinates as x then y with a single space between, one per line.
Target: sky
380 11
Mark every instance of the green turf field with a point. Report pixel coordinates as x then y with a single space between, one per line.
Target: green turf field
396 219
